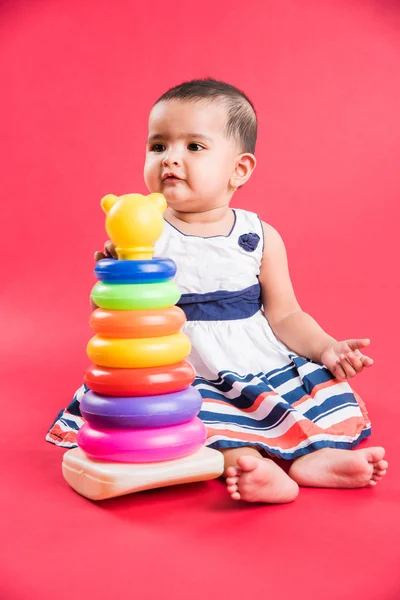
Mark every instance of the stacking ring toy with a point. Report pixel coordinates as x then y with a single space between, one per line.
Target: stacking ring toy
135 296
143 352
141 412
137 323
135 271
140 382
142 445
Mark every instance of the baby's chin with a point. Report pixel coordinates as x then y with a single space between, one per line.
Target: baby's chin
177 200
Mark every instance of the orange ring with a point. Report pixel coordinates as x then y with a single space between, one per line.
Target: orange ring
137 323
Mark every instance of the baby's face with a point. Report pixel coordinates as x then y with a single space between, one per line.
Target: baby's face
189 158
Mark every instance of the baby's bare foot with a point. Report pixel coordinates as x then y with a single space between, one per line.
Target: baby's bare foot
260 480
335 468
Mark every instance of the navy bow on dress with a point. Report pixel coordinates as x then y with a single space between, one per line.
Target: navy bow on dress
249 241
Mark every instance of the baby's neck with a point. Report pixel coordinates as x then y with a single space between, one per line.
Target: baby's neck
213 222
209 216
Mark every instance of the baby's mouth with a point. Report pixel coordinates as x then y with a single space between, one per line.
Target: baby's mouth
170 178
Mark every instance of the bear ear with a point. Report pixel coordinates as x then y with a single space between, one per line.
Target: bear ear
159 202
108 202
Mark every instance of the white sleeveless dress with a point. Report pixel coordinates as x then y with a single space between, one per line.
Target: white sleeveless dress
256 391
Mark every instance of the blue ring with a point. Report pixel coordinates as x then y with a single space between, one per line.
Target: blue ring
155 270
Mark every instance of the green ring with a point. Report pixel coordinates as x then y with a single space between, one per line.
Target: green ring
135 296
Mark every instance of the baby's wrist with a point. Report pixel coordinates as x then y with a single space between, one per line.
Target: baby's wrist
327 344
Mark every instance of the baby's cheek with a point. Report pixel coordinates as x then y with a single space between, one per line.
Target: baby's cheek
219 172
151 179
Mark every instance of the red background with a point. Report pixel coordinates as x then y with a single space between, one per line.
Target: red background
77 81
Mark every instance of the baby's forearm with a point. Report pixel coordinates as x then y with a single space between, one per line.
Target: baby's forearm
302 334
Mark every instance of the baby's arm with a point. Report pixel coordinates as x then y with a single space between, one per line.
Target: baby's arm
295 328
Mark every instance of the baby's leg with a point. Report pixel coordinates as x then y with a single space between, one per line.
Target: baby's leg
252 478
335 468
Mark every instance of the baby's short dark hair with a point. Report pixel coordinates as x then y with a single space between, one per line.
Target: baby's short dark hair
242 118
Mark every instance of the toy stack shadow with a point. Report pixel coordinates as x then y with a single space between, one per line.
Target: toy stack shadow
141 429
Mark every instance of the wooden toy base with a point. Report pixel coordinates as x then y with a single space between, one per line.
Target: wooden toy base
98 480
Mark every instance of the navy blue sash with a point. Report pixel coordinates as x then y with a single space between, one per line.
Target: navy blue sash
222 305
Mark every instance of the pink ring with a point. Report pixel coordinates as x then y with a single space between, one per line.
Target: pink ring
142 445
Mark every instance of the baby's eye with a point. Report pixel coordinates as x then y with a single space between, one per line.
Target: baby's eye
157 148
195 147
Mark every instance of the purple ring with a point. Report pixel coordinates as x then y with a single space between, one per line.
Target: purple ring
141 412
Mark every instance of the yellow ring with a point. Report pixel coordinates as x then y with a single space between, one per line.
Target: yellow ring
138 353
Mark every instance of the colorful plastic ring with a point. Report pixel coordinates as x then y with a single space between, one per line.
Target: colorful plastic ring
142 445
140 382
135 296
137 323
135 271
141 412
140 353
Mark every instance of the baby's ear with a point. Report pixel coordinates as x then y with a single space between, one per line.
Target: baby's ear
108 202
159 202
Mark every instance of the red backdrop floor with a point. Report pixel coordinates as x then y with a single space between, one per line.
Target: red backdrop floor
188 541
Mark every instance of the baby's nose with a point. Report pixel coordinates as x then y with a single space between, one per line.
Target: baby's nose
171 158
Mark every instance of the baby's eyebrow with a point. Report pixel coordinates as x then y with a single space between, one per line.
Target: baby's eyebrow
163 136
155 136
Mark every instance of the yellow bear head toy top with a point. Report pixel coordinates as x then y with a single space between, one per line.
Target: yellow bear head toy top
134 223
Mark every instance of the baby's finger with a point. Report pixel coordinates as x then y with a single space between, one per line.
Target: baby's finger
338 372
99 256
109 249
366 360
347 367
355 361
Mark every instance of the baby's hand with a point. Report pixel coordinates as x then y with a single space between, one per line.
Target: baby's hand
109 252
344 359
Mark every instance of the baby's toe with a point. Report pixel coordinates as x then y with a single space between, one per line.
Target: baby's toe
232 480
235 496
381 465
379 474
232 488
231 472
